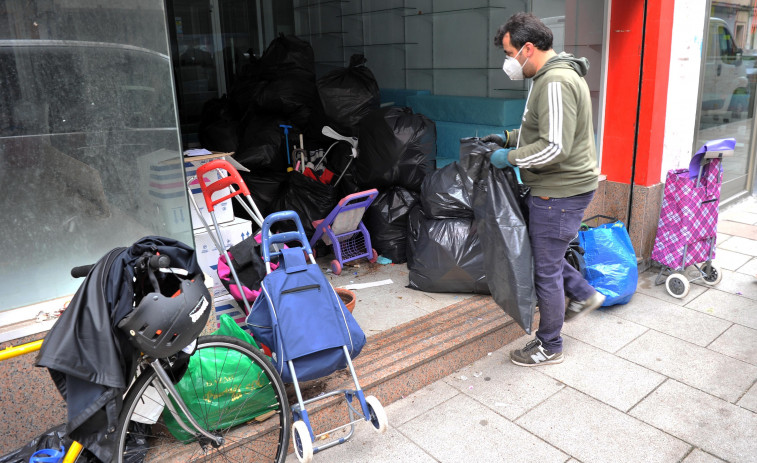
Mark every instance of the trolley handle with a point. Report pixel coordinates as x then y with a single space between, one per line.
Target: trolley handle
233 178
268 239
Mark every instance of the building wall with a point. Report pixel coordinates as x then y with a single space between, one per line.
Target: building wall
685 65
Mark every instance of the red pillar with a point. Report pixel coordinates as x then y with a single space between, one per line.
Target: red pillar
621 97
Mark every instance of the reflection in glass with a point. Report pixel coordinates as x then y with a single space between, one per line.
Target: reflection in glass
728 89
88 137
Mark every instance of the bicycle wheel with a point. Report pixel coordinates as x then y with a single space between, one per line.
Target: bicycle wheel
231 389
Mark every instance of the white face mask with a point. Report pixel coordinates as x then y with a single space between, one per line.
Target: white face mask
513 68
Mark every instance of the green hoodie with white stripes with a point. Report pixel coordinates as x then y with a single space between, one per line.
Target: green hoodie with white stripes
556 151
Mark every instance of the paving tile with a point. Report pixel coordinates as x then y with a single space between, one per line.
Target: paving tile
735 308
738 215
740 244
368 445
591 431
735 283
680 322
713 425
501 385
603 376
462 429
696 366
730 260
604 330
720 237
698 456
647 286
749 268
738 342
741 229
749 401
419 402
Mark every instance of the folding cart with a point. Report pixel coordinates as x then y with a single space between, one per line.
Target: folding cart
344 230
229 185
310 332
687 229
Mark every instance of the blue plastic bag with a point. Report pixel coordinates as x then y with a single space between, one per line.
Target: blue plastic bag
610 262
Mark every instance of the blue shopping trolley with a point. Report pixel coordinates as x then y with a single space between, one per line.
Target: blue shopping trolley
310 332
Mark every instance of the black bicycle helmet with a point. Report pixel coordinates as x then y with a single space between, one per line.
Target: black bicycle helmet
162 324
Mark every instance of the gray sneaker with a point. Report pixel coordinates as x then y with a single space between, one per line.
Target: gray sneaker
534 354
578 309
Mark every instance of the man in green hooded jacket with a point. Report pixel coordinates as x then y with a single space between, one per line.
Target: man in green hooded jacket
554 150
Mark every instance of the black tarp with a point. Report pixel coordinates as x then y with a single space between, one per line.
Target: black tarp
90 360
396 148
386 221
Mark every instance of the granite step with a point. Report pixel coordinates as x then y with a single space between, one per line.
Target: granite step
404 359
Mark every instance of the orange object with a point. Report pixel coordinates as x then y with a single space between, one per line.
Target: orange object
347 296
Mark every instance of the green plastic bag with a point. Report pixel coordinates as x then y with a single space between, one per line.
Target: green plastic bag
243 393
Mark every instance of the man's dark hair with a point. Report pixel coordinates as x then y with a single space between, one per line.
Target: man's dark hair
525 27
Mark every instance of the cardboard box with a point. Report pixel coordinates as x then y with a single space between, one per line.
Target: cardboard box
227 305
166 196
207 254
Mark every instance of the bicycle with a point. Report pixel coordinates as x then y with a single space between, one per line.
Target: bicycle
253 425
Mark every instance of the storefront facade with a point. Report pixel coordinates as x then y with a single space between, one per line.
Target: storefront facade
99 101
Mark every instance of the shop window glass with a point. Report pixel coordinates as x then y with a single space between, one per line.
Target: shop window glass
728 89
88 138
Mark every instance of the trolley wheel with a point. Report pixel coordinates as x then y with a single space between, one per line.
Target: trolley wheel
378 415
712 274
374 258
336 267
677 285
303 444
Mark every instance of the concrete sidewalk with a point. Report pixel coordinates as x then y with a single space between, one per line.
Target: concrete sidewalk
656 380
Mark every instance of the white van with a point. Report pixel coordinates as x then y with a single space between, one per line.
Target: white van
725 89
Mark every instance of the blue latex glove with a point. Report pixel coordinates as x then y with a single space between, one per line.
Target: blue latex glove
499 159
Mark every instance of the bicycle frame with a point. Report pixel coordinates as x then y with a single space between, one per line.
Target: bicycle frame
73 451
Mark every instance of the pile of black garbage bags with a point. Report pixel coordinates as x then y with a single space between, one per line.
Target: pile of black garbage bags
468 233
396 147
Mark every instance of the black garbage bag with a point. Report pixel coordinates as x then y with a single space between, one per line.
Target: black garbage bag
504 235
290 97
246 85
446 193
218 130
288 55
445 255
386 221
53 439
348 95
397 147
310 199
265 188
262 145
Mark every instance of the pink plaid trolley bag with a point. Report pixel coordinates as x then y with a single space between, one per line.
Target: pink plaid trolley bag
687 229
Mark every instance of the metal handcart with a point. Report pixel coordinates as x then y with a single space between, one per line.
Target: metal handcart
299 316
687 229
229 184
344 230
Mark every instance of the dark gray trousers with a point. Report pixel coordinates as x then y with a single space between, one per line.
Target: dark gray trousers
552 224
